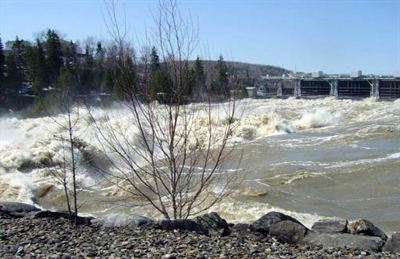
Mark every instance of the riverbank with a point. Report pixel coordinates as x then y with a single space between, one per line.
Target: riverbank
38 235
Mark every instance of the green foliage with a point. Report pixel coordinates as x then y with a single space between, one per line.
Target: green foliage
14 77
200 78
189 81
244 93
37 67
54 55
220 79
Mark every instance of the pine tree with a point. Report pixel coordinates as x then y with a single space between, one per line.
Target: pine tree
189 80
19 54
200 78
156 76
99 66
2 61
54 55
220 82
13 79
37 67
86 73
71 57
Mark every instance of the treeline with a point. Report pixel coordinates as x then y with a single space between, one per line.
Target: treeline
52 64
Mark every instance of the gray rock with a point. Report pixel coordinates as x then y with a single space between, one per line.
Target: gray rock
365 227
243 228
393 244
288 231
343 240
17 209
184 224
330 226
263 224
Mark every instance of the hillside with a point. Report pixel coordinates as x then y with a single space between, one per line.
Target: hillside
248 70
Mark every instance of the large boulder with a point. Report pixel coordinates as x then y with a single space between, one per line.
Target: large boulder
393 244
57 214
330 226
288 231
343 240
264 223
365 227
214 223
183 224
17 209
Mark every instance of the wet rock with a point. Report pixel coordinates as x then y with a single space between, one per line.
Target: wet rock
343 240
17 209
288 231
214 223
330 226
393 244
365 227
183 224
243 228
264 223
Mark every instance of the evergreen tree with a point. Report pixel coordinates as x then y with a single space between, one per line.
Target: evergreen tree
86 73
54 55
37 68
189 80
18 50
220 82
70 70
2 61
99 66
107 81
125 83
200 78
156 76
14 80
71 57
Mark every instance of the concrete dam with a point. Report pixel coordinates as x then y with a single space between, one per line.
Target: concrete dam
321 86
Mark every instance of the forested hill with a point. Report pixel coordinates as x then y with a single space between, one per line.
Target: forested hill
253 71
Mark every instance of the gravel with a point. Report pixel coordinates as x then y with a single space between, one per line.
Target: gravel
56 238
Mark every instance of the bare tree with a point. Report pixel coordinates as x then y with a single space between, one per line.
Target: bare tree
176 159
66 168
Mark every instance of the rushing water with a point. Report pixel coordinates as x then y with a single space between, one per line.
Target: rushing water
309 158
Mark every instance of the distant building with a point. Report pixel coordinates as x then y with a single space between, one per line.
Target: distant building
356 74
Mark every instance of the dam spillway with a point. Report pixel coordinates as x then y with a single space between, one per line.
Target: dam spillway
382 88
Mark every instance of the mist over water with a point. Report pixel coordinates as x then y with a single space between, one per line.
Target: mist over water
308 158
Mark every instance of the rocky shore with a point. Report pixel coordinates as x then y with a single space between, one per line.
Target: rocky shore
26 232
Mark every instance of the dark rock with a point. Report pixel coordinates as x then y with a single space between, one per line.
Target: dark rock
393 244
365 227
17 209
264 223
56 214
184 224
214 223
330 226
211 220
288 231
343 240
243 228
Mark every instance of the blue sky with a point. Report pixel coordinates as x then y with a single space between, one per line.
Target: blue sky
309 35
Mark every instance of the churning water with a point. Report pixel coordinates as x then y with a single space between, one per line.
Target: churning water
308 158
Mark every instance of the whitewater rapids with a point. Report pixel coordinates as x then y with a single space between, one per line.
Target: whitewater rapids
308 158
